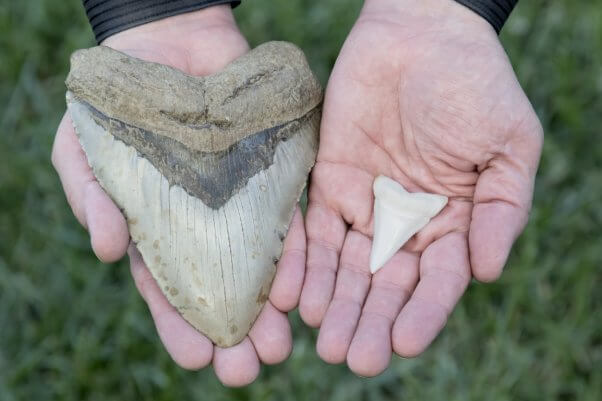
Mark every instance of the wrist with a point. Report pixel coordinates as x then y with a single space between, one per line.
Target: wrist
198 42
108 17
433 15
179 28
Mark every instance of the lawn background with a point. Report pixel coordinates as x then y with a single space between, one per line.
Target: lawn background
72 328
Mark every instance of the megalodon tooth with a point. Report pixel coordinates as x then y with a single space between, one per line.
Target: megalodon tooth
207 170
398 215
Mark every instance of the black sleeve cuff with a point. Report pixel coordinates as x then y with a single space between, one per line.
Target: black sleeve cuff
107 17
496 12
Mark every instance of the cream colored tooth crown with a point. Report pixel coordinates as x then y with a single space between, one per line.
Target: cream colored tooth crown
398 215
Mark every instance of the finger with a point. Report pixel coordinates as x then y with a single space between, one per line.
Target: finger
325 235
186 346
502 203
370 350
444 276
271 335
494 228
108 230
352 284
238 365
288 281
90 204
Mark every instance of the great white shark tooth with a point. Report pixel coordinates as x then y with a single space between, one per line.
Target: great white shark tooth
207 170
398 215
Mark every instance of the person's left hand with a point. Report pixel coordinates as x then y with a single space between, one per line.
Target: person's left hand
421 92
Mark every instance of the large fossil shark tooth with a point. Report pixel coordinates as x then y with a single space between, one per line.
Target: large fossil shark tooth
398 215
207 170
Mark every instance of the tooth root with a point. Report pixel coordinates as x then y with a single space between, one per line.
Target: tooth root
398 215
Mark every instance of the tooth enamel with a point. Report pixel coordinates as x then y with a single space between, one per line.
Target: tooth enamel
398 215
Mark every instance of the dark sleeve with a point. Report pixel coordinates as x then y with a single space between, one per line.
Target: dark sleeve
107 17
496 12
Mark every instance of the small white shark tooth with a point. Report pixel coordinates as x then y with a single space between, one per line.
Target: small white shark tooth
207 170
398 215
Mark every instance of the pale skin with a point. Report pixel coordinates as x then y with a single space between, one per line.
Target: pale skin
421 92
198 43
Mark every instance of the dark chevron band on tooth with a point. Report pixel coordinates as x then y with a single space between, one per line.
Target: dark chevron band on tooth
248 134
213 177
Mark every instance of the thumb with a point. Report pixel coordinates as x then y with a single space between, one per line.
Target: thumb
502 202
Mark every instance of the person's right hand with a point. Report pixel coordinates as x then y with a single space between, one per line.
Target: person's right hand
198 43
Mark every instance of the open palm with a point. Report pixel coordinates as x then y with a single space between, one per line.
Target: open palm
435 106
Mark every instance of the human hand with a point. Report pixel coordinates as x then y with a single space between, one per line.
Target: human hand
198 43
421 92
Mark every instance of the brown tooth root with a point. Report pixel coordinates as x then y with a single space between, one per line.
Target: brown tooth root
210 169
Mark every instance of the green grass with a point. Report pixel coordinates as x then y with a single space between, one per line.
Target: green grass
72 328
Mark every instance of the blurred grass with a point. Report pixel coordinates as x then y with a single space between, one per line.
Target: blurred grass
72 328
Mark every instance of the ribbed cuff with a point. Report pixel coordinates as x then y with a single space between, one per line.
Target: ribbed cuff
496 12
107 17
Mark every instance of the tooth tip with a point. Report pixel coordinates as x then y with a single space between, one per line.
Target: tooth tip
378 258
375 268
